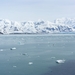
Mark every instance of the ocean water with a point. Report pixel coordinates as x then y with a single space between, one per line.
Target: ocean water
37 54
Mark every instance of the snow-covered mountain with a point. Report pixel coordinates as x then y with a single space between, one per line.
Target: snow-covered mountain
61 25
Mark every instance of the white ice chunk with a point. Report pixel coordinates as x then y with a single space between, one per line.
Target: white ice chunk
60 61
30 63
14 66
1 49
13 48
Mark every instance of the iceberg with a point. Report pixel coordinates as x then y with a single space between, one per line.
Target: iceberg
60 61
14 66
13 48
1 49
30 63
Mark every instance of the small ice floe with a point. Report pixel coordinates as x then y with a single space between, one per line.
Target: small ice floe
1 49
60 61
24 54
14 66
30 63
12 48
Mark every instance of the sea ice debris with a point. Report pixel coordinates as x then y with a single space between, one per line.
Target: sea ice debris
30 63
1 49
60 61
13 48
24 54
14 66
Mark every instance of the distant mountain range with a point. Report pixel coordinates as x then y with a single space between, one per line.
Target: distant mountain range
61 25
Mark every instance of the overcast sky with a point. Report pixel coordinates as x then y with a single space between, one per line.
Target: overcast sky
24 10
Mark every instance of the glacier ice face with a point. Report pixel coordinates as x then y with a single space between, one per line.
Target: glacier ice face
61 25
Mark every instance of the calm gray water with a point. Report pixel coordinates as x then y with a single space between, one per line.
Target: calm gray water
41 50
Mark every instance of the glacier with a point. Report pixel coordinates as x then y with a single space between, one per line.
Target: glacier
60 25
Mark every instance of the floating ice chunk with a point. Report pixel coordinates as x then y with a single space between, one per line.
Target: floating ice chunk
60 61
13 48
30 63
1 49
14 66
24 54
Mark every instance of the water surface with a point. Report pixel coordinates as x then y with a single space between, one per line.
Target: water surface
41 50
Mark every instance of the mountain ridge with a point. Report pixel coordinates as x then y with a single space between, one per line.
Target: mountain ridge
61 25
